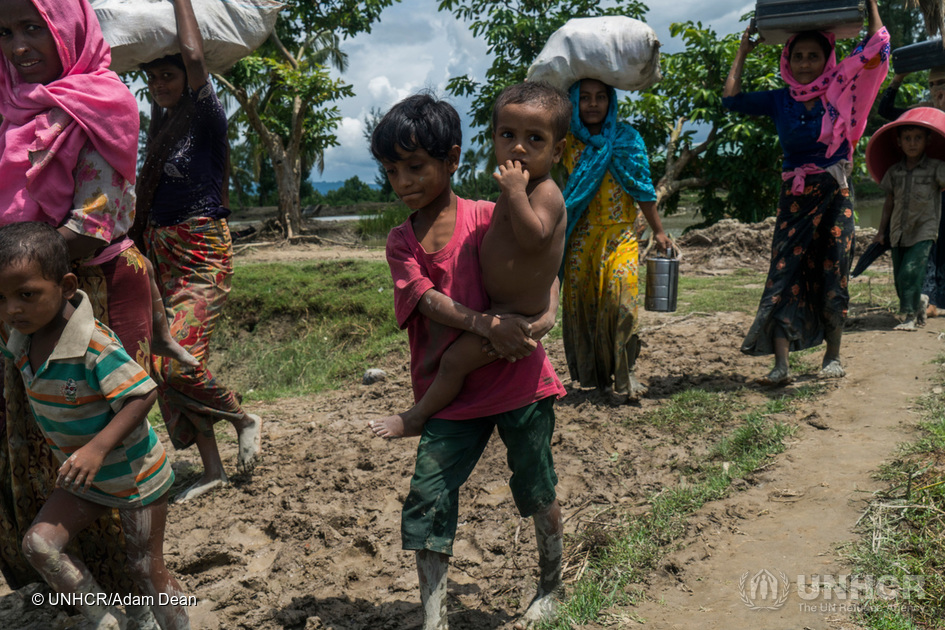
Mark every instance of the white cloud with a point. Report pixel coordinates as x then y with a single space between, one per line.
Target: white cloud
416 47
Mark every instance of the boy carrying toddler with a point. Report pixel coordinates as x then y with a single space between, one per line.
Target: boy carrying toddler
440 259
91 401
524 245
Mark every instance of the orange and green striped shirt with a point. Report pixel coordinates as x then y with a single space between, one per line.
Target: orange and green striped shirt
86 380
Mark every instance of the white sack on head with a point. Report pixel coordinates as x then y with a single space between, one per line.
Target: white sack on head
616 50
143 30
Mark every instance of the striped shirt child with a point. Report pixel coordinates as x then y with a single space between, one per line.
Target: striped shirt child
75 394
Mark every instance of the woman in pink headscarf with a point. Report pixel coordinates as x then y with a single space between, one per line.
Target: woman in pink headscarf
819 116
68 152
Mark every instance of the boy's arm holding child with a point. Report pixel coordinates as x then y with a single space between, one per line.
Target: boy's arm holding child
80 468
535 216
510 335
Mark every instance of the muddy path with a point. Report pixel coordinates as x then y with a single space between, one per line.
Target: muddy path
311 541
799 510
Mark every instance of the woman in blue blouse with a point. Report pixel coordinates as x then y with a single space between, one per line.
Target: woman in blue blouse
819 117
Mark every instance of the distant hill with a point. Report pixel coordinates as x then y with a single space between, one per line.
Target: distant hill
324 187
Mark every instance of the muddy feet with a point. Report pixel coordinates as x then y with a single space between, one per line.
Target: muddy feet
203 486
168 347
543 608
923 312
637 390
909 324
398 426
776 378
832 369
250 443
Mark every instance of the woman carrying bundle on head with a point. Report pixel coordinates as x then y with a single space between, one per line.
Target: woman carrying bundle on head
819 116
181 226
68 150
608 181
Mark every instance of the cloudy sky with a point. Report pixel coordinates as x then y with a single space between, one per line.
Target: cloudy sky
416 47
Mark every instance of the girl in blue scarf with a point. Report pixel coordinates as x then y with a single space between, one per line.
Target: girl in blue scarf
609 179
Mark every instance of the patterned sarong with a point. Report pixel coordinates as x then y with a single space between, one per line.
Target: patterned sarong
194 265
806 291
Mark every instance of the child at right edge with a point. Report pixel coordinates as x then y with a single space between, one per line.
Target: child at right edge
436 260
523 248
911 217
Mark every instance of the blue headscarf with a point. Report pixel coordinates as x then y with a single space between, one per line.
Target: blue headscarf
617 148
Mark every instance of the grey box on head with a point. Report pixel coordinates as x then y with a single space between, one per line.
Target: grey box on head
920 56
777 20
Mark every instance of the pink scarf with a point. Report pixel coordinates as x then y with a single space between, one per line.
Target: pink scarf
45 126
847 89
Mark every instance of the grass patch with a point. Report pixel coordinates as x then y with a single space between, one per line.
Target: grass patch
903 529
691 411
737 292
878 290
299 328
376 227
619 555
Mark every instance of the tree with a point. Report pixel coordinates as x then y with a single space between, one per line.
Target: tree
371 121
284 90
516 31
736 163
352 192
473 182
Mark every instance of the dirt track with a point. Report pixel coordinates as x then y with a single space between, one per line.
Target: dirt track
312 540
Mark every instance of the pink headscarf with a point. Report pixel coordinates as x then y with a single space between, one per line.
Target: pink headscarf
847 89
45 126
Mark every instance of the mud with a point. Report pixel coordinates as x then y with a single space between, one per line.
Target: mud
311 539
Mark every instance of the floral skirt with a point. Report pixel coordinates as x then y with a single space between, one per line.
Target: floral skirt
120 296
194 265
806 291
600 304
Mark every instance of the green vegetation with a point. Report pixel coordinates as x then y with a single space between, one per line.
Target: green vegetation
293 329
903 529
620 554
351 193
374 228
737 292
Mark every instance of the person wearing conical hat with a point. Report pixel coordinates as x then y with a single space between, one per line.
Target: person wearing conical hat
934 287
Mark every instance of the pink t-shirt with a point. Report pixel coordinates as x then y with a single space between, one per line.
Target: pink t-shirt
454 271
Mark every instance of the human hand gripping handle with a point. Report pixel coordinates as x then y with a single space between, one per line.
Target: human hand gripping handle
79 470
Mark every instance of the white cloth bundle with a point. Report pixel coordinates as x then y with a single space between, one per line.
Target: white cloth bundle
143 30
616 50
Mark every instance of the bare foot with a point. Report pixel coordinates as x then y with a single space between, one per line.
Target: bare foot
923 312
543 608
169 348
637 389
202 486
931 311
250 441
909 324
775 378
832 369
398 426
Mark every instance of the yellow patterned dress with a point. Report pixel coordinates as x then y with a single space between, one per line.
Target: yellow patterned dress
600 300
